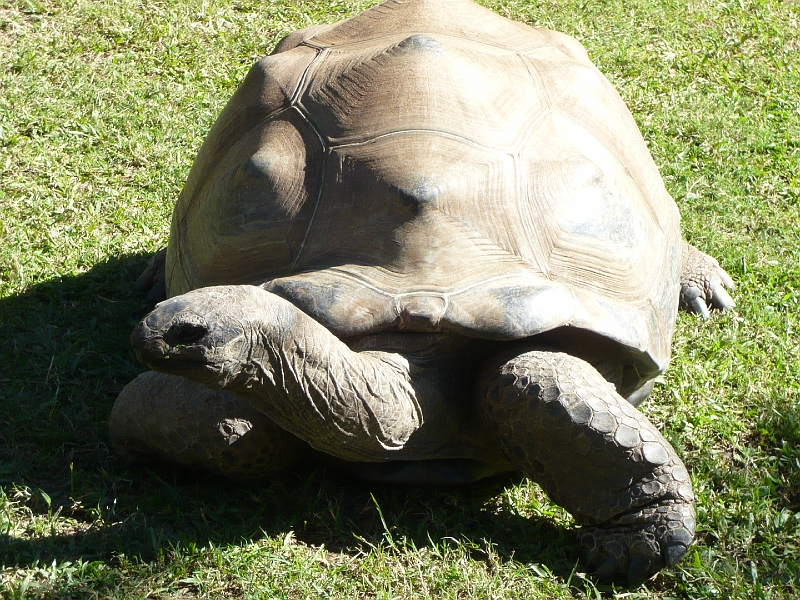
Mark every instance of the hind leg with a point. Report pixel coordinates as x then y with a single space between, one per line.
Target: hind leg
703 283
566 427
167 418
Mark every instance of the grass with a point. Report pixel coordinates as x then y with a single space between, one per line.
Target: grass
102 107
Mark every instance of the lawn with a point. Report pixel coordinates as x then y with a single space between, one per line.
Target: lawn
103 106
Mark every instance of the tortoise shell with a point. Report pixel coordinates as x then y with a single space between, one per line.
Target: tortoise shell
431 166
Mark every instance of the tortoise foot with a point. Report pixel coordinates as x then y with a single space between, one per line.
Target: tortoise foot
635 546
704 283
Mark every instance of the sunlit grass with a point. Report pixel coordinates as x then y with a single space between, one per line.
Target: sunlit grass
102 108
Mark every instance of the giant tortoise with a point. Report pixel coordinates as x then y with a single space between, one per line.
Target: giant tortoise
430 242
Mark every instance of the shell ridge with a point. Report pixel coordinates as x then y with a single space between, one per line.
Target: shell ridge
489 249
483 282
537 122
328 92
344 273
211 169
604 278
361 279
487 243
610 89
297 106
540 253
537 78
308 121
372 75
543 254
291 100
523 188
309 43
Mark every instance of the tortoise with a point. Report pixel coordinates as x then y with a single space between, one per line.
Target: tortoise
431 243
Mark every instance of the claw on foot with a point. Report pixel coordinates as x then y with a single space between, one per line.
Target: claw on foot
704 283
635 546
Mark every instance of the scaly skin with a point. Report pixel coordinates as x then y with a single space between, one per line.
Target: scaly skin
566 427
703 283
166 418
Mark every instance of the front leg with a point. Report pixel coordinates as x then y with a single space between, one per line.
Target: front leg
703 283
160 418
561 423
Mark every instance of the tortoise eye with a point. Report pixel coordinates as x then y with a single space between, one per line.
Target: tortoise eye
186 332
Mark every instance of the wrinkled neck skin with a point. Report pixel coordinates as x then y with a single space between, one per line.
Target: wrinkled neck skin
274 357
246 361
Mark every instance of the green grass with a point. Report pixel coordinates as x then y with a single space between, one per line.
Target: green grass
102 107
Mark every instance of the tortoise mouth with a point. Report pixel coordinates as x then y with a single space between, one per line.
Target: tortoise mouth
192 366
171 362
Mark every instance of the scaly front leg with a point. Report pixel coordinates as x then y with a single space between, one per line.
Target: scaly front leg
560 422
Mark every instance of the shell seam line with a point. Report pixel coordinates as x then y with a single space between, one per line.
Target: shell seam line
290 102
295 104
313 217
345 274
301 84
445 134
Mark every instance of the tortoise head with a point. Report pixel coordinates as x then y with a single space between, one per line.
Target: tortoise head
211 335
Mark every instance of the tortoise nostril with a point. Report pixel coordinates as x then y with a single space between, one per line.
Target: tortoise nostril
186 332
